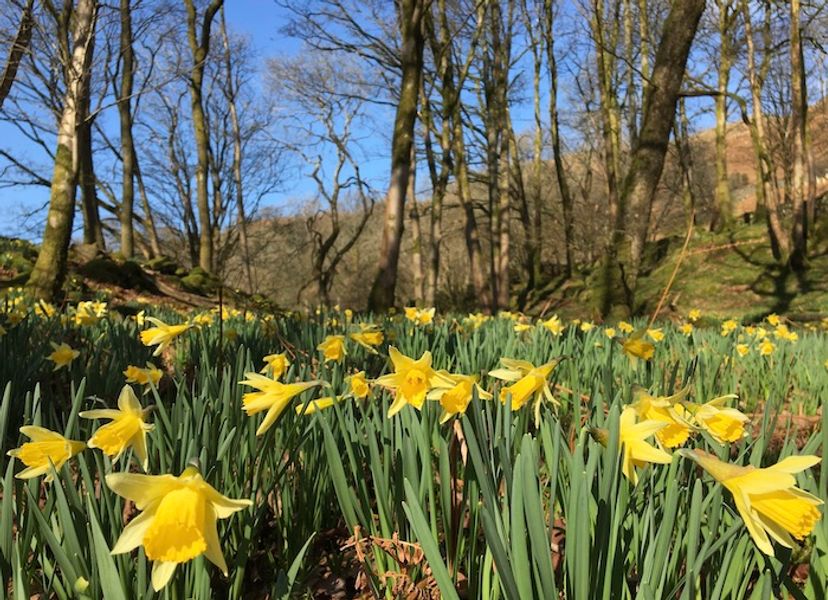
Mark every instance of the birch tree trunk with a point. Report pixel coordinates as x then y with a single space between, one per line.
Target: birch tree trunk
124 102
50 268
385 283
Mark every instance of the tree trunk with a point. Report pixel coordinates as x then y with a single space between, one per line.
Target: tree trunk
124 101
92 230
231 93
647 161
765 170
799 119
416 232
50 268
200 48
17 50
724 200
555 135
384 286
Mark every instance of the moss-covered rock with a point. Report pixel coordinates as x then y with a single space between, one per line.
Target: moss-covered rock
127 274
199 281
164 265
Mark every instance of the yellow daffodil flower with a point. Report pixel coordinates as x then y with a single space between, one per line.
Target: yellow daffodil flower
767 499
85 314
203 319
411 380
773 319
729 327
476 320
586 326
766 348
723 423
686 329
637 347
424 316
177 522
44 310
522 327
141 376
742 349
333 348
46 448
455 400
62 355
128 428
528 380
317 405
636 451
664 409
359 385
694 314
273 396
277 364
609 332
140 318
625 327
368 336
656 335
553 325
162 335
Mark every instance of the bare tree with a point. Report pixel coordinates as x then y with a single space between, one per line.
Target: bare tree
50 268
18 48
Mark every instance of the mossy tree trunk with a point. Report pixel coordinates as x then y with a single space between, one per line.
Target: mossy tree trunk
50 268
726 20
124 102
198 36
411 55
647 160
798 131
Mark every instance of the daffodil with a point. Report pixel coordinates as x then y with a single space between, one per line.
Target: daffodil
767 499
723 423
528 382
742 349
419 316
333 348
455 400
522 327
273 396
62 355
368 336
729 327
637 347
664 409
359 385
766 348
46 448
411 380
586 326
625 327
773 319
694 314
476 320
178 521
128 428
85 314
277 364
141 376
656 335
162 335
203 319
44 309
686 329
317 405
609 332
553 325
632 436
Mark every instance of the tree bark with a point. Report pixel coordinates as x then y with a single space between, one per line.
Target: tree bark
799 119
647 161
50 268
18 48
124 102
385 283
200 47
724 200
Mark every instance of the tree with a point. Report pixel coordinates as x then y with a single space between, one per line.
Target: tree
18 48
50 268
198 36
410 23
647 160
